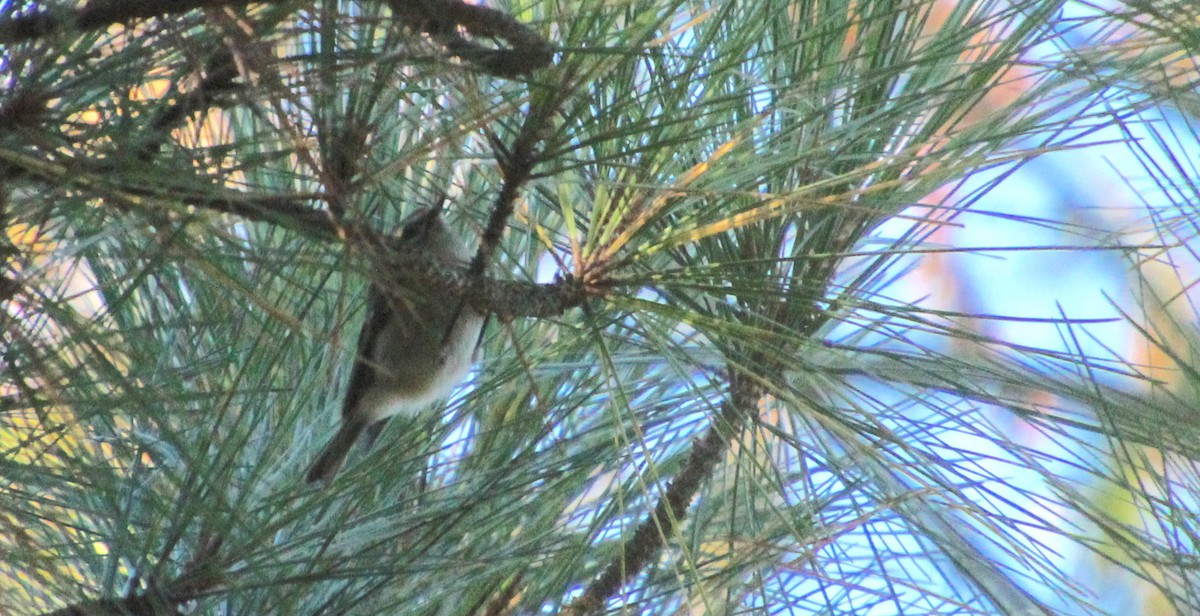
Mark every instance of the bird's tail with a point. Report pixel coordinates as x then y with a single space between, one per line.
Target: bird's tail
334 454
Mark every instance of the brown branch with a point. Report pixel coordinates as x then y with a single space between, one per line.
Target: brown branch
500 603
201 576
650 537
22 107
516 165
96 15
516 168
9 286
169 602
438 18
505 298
441 19
141 605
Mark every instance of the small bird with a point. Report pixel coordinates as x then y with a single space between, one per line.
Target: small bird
416 345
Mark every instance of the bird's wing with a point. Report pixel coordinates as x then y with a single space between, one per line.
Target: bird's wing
363 376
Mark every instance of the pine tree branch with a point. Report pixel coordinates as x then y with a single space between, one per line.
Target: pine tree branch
219 76
28 108
140 605
96 15
505 298
201 576
650 537
500 603
441 19
516 165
